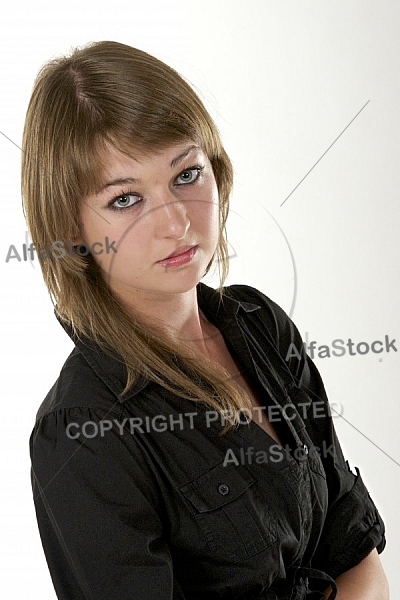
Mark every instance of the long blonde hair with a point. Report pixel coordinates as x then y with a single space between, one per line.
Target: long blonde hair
111 93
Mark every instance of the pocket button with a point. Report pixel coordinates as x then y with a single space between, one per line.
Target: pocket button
223 489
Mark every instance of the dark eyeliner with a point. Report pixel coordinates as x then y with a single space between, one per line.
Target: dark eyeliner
111 203
198 168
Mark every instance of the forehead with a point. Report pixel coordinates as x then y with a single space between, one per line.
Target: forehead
111 154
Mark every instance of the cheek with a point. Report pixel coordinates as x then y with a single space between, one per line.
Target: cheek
133 250
208 208
120 245
213 212
124 265
94 228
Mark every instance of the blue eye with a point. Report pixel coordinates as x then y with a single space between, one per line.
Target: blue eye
190 175
124 201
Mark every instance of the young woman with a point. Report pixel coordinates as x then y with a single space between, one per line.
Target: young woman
186 450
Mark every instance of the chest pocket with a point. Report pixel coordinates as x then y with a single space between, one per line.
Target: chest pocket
235 520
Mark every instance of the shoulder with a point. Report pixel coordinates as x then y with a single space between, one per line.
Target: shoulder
274 331
78 386
272 315
77 414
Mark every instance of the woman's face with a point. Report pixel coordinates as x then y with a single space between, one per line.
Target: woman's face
144 210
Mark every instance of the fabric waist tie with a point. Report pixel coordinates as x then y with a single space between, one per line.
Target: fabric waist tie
300 578
307 573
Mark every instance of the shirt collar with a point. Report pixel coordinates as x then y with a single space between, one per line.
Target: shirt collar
112 371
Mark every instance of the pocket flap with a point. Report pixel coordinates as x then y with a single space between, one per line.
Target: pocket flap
219 486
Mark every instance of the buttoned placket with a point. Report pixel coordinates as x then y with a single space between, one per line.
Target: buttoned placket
279 387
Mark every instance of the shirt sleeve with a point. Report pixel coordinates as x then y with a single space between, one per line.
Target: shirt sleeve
97 513
353 526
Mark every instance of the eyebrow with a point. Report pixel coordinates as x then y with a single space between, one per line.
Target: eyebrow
181 156
124 180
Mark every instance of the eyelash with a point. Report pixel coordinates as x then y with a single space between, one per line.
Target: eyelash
111 204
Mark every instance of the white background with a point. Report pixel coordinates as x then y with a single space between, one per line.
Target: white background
282 79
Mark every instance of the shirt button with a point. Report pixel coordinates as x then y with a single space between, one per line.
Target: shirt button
305 448
223 489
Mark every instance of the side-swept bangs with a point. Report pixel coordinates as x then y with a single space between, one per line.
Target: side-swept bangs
107 94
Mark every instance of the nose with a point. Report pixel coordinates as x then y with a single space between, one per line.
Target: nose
171 218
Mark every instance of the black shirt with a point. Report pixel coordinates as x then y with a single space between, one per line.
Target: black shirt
142 498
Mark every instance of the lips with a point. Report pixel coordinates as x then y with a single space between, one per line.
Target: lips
177 252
